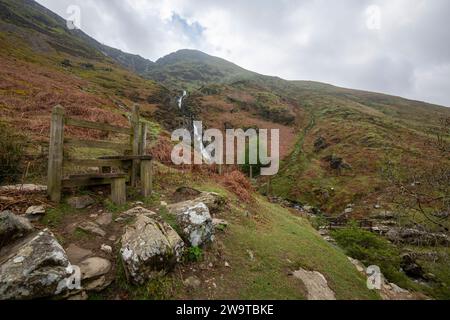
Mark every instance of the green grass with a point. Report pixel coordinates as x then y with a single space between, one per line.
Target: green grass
54 216
281 243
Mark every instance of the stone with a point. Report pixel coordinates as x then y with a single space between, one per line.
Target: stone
36 267
93 228
80 202
82 296
150 249
95 267
348 210
134 212
417 237
97 285
316 285
105 219
227 265
358 265
195 222
411 267
25 188
77 254
164 204
192 282
107 249
35 210
13 227
6 199
214 201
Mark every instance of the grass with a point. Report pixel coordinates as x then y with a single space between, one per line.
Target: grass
54 216
282 242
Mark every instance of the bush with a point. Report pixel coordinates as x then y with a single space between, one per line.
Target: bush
12 151
195 254
371 249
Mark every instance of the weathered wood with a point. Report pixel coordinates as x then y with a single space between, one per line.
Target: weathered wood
97 126
135 144
55 158
80 181
147 178
118 191
89 163
126 158
71 142
98 176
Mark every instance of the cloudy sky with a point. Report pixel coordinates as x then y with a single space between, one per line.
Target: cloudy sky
400 47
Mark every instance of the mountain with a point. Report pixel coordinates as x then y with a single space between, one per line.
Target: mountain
191 69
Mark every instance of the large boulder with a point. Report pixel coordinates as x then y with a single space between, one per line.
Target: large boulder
150 249
36 267
195 222
12 228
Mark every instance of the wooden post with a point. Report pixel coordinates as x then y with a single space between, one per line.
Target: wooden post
119 191
56 153
269 191
135 144
143 140
251 173
147 177
220 169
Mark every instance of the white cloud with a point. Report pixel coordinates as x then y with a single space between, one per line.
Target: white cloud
407 53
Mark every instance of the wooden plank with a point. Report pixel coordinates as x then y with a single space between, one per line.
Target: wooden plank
71 142
126 158
118 191
94 176
89 163
143 139
147 178
56 152
97 126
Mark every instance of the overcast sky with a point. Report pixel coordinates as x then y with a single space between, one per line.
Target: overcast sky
401 47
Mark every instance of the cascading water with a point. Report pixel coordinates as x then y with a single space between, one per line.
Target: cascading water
198 136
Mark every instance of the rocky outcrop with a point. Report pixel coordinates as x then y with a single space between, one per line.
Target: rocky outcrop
12 228
417 237
214 201
35 267
194 221
150 249
316 285
80 202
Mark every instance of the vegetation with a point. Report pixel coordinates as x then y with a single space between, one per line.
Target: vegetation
12 146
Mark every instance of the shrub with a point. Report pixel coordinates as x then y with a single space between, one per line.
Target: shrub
12 151
238 183
195 254
371 249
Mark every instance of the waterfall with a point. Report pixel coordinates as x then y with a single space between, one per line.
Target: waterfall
198 135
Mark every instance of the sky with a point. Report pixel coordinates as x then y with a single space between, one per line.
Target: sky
399 47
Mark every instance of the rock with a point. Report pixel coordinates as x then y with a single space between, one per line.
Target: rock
12 228
377 206
163 204
35 210
107 249
385 215
6 199
93 228
195 222
134 212
316 285
320 144
105 219
227 265
348 210
358 265
36 267
192 282
150 249
82 296
95 267
220 223
25 188
97 285
417 237
77 254
251 255
337 163
214 201
429 277
411 267
80 202
138 203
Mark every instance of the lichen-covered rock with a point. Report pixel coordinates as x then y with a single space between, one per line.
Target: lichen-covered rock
36 267
214 201
80 202
195 222
150 249
12 228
